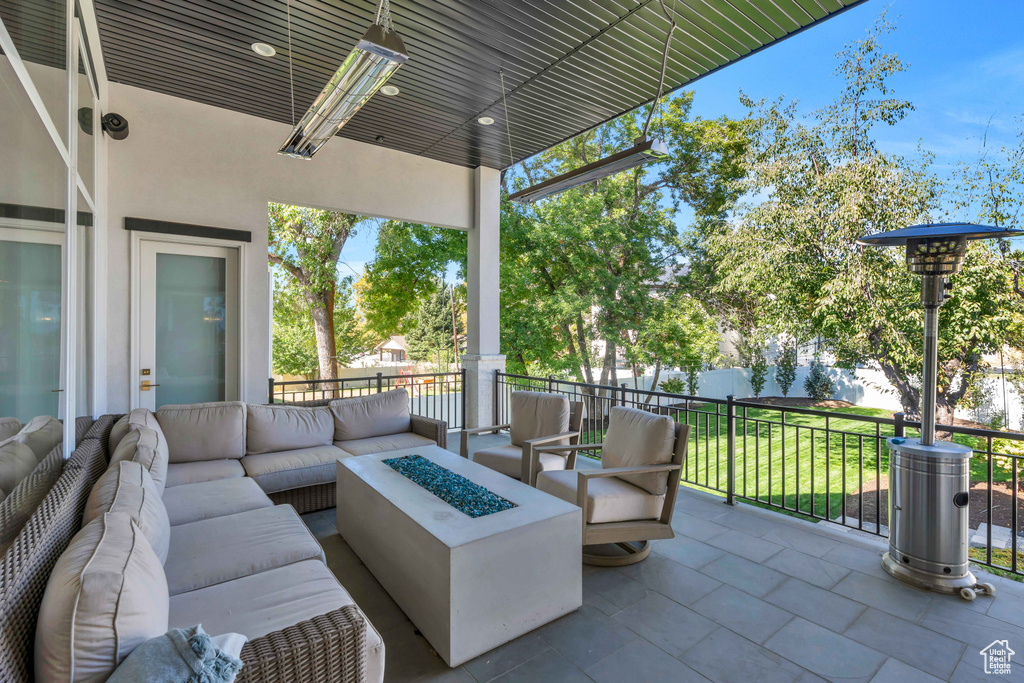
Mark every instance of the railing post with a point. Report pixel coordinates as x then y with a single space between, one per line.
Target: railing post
730 425
462 416
270 392
624 387
899 427
551 384
380 383
497 394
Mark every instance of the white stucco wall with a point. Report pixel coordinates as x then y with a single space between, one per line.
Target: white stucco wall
193 163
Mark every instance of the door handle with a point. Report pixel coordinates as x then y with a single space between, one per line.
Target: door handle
146 385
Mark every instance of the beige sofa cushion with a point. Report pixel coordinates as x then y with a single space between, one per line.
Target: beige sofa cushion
509 460
208 499
127 487
204 431
9 426
636 437
142 445
610 498
216 550
374 415
535 414
286 428
141 417
106 595
270 601
380 444
288 470
16 462
180 473
117 432
42 434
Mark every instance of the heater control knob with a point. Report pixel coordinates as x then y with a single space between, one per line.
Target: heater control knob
961 499
947 289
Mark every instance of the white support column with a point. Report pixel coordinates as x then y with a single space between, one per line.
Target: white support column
483 331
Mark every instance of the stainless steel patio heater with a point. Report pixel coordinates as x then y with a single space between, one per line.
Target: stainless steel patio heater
929 482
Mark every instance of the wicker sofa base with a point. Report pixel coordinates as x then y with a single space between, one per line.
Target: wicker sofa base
308 498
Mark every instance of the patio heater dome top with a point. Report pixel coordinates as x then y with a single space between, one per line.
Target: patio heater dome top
934 231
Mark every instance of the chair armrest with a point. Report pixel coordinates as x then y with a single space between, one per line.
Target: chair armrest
554 437
531 455
573 447
619 471
483 430
334 642
431 428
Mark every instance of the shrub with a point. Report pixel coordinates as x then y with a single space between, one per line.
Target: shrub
758 372
693 379
785 368
673 385
818 385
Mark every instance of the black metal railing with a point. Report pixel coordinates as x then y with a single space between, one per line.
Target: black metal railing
437 395
821 464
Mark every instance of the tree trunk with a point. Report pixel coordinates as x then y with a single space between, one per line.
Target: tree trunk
321 307
654 380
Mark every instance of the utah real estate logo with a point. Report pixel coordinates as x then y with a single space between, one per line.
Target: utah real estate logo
997 657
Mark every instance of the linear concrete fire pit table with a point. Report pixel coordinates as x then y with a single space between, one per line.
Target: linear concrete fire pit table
469 584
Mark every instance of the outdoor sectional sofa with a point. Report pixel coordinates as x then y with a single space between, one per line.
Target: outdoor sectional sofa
181 528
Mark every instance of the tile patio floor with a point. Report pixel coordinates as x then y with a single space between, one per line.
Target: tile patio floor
740 594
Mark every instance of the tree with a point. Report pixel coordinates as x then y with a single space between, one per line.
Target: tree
306 244
824 185
432 337
817 383
785 367
752 356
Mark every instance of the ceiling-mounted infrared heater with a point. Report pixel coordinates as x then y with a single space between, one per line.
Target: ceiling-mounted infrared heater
929 482
370 64
644 151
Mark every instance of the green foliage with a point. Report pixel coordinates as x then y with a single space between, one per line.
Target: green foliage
785 367
431 339
792 261
692 373
673 385
758 365
817 384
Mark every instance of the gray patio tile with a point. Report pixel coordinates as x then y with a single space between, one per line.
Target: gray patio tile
817 571
696 527
408 656
687 551
457 675
547 667
671 579
804 541
383 612
743 518
725 657
1008 608
641 661
745 545
594 600
585 636
816 604
744 574
825 653
915 645
899 599
748 616
616 588
864 560
665 623
698 506
951 616
895 671
507 657
971 669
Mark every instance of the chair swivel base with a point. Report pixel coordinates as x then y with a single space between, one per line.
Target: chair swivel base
616 554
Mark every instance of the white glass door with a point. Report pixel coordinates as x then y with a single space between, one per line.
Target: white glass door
188 324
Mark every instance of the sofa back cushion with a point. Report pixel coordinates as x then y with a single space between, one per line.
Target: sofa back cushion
106 596
374 415
636 437
536 414
41 434
273 428
142 445
9 426
16 462
204 431
127 487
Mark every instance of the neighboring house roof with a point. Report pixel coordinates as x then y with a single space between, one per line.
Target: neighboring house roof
396 343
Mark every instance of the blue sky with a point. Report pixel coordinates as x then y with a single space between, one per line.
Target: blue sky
965 75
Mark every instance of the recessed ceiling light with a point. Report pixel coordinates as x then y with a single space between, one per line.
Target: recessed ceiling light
264 50
485 120
389 90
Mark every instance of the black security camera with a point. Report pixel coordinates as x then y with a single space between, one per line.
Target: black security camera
115 125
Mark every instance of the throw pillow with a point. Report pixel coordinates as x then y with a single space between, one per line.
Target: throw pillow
183 654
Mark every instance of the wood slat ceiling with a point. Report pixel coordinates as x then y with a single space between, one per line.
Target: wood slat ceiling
568 64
